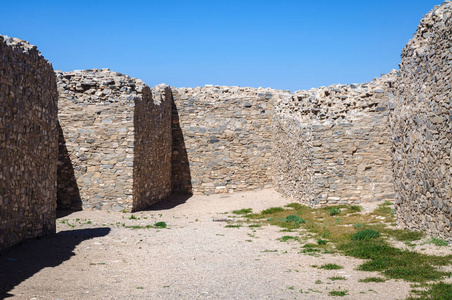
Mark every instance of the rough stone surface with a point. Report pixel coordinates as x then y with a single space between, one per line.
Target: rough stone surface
422 127
332 144
222 139
101 115
28 142
153 145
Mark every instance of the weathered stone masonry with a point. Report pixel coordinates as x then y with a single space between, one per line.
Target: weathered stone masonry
118 139
28 142
224 137
331 145
422 127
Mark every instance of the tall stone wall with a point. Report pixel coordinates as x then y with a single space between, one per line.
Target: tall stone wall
332 144
422 127
222 139
101 112
28 142
153 145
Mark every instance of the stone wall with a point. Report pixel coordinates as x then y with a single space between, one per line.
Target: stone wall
222 139
422 127
153 145
28 142
100 121
332 144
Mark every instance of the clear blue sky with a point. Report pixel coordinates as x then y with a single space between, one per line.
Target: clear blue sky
284 44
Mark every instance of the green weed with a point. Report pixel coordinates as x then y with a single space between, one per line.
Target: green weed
335 278
434 241
321 242
272 210
242 211
233 226
372 279
365 235
338 293
160 224
334 211
331 267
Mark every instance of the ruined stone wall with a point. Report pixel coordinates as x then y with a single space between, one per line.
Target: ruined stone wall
99 125
28 142
332 144
422 127
153 145
222 139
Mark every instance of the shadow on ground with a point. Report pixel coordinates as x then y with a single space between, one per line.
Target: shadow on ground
22 261
170 202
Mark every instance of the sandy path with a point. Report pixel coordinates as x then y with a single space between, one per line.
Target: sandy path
195 257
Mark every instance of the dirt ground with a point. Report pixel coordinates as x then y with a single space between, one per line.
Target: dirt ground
100 255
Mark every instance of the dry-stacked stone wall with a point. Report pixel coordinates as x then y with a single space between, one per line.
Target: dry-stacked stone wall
152 148
422 127
222 139
28 142
98 121
332 144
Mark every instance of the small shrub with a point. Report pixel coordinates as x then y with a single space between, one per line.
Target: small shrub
294 218
330 267
160 224
272 210
334 211
365 235
132 217
321 242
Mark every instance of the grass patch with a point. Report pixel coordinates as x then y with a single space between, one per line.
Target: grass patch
310 248
355 208
435 291
335 278
360 235
331 267
288 237
404 235
243 211
160 224
334 211
233 226
321 242
365 235
395 263
373 279
338 293
436 241
272 210
137 226
295 219
358 225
